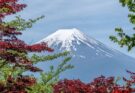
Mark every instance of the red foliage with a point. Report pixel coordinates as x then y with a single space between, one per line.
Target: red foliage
99 85
17 85
9 42
11 6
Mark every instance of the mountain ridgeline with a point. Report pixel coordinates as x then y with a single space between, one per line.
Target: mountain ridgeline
90 57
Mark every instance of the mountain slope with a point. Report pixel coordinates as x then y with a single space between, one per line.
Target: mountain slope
91 58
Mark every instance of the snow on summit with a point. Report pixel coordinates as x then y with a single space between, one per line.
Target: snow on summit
66 37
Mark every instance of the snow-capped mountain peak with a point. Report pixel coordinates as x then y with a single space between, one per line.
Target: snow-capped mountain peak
66 37
67 34
90 57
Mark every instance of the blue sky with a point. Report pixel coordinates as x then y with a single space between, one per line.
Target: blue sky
96 18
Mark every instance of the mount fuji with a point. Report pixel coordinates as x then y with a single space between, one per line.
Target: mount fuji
90 57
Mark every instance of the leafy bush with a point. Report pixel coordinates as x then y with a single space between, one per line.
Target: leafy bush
99 85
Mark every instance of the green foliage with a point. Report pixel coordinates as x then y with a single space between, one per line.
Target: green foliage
129 3
21 24
122 38
48 79
15 57
35 58
4 10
